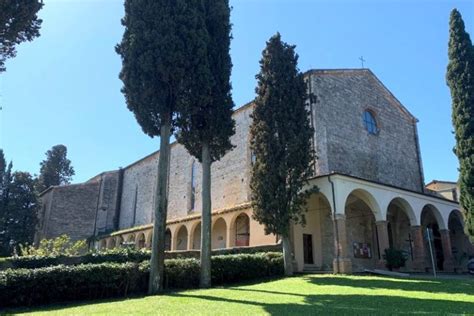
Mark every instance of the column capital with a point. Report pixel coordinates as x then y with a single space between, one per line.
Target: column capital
381 222
339 216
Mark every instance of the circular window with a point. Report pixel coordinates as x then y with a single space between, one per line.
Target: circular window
370 122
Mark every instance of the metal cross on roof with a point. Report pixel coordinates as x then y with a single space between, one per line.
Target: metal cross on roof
362 60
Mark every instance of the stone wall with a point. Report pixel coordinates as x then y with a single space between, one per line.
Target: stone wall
229 182
69 210
342 141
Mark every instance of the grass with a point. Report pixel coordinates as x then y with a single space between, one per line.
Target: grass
301 295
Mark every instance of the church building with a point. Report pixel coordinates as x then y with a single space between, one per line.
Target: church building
369 173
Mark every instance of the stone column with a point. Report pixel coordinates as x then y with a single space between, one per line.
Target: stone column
419 254
189 239
228 236
383 242
341 263
448 263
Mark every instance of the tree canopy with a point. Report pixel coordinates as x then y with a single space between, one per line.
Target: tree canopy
281 136
460 79
280 139
158 47
19 22
157 50
18 208
205 114
56 169
204 118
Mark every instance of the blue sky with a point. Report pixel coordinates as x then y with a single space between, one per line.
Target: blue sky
63 88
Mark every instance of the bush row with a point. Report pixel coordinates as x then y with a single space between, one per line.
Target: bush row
26 287
118 255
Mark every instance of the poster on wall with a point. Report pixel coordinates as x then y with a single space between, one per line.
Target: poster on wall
362 250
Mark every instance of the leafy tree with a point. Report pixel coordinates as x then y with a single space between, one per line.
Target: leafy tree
205 115
281 141
19 213
18 23
59 246
56 169
460 79
157 48
5 179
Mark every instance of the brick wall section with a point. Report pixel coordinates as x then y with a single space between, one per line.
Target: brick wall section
342 142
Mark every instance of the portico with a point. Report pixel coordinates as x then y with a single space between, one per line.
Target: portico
363 218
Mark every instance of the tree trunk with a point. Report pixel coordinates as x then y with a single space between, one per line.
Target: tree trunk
287 260
155 284
205 280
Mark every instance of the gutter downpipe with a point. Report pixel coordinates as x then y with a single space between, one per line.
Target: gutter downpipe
336 229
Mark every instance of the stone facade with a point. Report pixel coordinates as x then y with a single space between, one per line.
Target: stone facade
80 210
344 145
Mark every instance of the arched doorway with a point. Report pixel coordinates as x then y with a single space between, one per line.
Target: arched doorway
150 240
197 237
314 242
131 241
182 239
168 239
103 244
459 241
399 218
119 241
219 232
141 241
112 243
242 230
430 222
362 243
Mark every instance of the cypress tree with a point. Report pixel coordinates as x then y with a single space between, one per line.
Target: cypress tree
281 142
205 117
157 49
19 22
460 79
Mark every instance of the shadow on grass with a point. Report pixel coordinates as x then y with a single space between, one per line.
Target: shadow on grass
327 303
422 285
353 304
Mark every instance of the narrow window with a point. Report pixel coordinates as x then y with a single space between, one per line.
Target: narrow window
370 123
253 157
193 186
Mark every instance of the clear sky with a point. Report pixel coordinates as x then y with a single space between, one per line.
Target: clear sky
63 88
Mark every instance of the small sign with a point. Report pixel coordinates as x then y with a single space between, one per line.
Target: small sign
362 250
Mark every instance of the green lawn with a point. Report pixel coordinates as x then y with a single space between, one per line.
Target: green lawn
304 295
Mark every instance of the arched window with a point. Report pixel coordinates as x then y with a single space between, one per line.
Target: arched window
370 122
192 201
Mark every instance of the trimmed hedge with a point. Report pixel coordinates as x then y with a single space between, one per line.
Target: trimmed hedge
26 287
119 255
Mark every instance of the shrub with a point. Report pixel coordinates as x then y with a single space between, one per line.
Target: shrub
59 246
26 287
118 255
394 258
